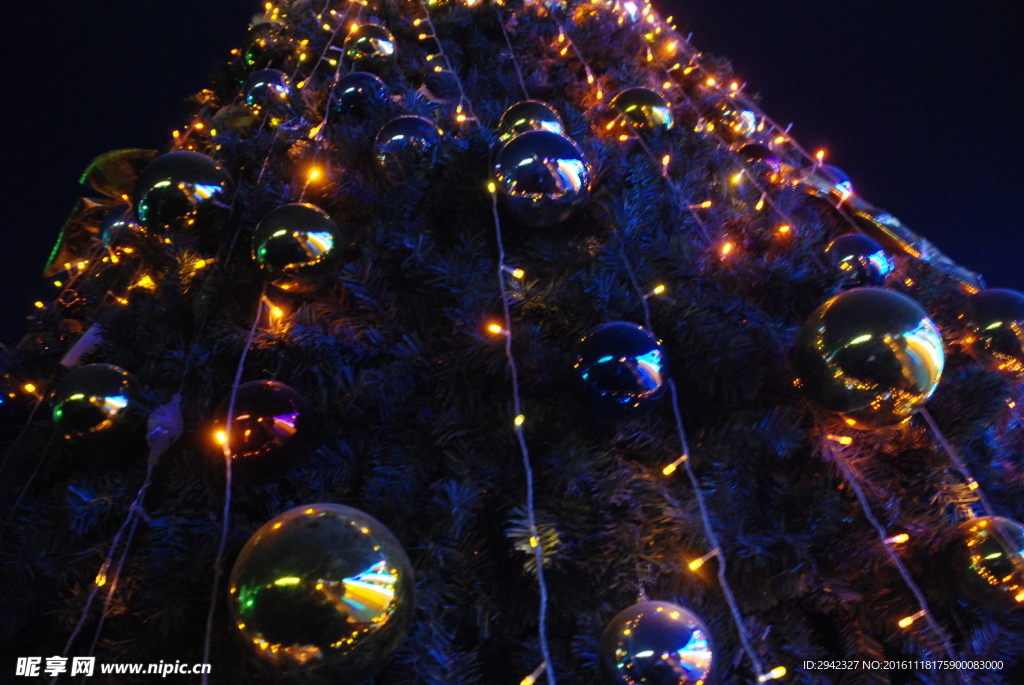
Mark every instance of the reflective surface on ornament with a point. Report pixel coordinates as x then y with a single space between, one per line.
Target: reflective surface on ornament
860 260
733 124
643 109
357 90
762 161
621 368
267 88
119 223
656 643
528 115
406 146
369 47
870 355
178 189
269 423
323 590
296 247
91 399
826 179
995 329
990 562
543 177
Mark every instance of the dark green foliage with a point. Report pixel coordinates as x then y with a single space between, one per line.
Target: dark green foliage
413 411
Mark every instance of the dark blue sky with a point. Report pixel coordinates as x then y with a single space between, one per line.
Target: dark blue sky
920 102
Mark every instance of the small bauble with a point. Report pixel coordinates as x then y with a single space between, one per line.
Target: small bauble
268 44
528 115
356 91
733 123
860 260
620 369
543 177
989 562
323 592
995 329
870 355
827 180
182 189
369 47
406 146
269 428
655 643
643 109
93 399
296 246
762 162
119 224
268 89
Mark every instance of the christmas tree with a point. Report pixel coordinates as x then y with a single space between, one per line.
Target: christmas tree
473 342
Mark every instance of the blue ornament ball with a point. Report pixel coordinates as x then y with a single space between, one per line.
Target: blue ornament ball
621 370
860 259
655 643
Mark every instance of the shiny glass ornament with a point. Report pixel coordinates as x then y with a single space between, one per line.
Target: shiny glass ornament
732 123
119 223
268 88
621 370
860 260
323 592
870 355
988 562
543 177
528 115
268 44
406 146
655 643
269 428
92 399
825 179
762 162
995 329
296 246
369 47
355 91
182 189
643 109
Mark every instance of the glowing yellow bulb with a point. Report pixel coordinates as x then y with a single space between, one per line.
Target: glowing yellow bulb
696 564
734 85
666 85
906 622
276 312
773 674
1020 597
820 155
175 134
491 187
59 284
495 329
423 36
40 305
29 387
520 420
658 289
221 437
712 82
706 204
416 22
665 160
784 229
314 174
726 249
101 578
899 539
623 137
460 118
600 94
518 273
590 78
737 177
355 25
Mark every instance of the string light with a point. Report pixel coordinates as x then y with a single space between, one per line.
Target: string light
774 674
496 329
908 621
519 421
726 249
697 563
671 468
39 305
532 678
784 229
898 539
841 439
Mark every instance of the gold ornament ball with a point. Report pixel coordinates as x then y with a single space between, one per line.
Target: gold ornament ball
643 109
529 115
296 247
989 562
994 320
323 592
369 47
870 355
91 400
733 123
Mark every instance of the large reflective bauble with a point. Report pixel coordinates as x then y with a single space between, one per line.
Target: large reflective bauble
92 399
655 643
528 115
323 592
543 177
988 562
870 355
355 91
268 88
621 370
860 260
733 123
182 189
995 329
296 247
119 223
643 109
268 432
369 47
828 180
406 146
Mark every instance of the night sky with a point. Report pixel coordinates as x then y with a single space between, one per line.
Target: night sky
919 102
